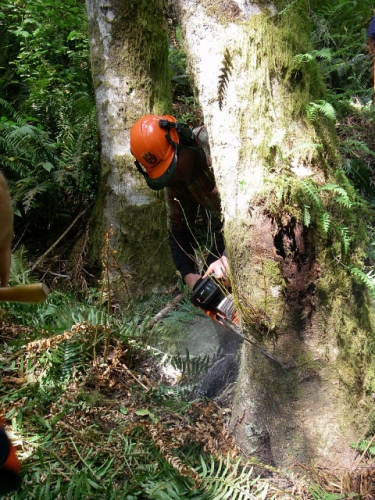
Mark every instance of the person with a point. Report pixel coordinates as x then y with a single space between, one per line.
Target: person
10 478
173 157
371 37
6 232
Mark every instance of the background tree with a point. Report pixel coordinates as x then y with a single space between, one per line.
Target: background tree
129 59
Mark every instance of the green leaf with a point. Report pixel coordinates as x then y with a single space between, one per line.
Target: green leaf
47 166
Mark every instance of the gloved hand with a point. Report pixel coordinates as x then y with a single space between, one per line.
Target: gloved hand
10 478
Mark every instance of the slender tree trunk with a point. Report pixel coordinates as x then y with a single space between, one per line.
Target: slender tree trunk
290 242
129 58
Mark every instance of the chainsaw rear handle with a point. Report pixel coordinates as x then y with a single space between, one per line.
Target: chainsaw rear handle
206 293
30 294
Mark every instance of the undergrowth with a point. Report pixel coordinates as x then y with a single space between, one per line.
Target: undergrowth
93 415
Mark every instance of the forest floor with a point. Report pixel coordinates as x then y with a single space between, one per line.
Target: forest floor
119 398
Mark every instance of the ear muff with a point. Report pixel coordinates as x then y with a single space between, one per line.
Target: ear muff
185 133
186 136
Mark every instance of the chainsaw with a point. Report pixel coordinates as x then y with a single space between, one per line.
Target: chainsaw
215 300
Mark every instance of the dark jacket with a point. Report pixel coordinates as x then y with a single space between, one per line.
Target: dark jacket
194 217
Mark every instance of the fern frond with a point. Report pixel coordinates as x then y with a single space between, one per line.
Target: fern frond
225 480
320 107
368 279
334 187
343 198
312 194
325 53
225 73
191 367
346 239
350 146
325 222
306 215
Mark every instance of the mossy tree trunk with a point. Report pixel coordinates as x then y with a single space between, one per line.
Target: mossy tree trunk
129 58
294 228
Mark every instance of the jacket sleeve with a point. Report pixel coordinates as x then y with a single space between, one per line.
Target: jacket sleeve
181 213
182 249
371 29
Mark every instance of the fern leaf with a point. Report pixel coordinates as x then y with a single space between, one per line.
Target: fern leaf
345 239
368 279
306 216
325 54
311 192
350 146
225 73
334 187
228 483
320 107
342 198
325 221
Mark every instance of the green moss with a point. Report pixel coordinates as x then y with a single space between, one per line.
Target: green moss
138 49
97 229
142 243
142 26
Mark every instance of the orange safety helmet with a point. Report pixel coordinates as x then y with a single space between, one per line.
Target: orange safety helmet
153 142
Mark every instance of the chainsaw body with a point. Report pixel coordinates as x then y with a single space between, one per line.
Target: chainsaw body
217 302
210 295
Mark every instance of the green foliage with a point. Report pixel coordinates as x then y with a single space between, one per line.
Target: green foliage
320 107
71 453
366 445
339 41
48 130
52 46
321 210
366 278
228 481
191 367
218 480
341 28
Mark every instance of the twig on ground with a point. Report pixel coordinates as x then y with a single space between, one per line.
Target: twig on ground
168 307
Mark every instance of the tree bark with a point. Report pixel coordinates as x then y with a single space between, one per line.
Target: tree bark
287 238
129 58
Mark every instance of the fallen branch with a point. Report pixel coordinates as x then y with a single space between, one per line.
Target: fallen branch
168 307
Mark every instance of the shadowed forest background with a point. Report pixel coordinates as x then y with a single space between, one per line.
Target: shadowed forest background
95 411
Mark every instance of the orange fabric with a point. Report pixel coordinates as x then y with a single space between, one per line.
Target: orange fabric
12 462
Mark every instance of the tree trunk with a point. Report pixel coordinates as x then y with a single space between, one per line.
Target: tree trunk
290 238
129 58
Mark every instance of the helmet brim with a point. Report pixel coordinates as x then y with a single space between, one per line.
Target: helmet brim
163 180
